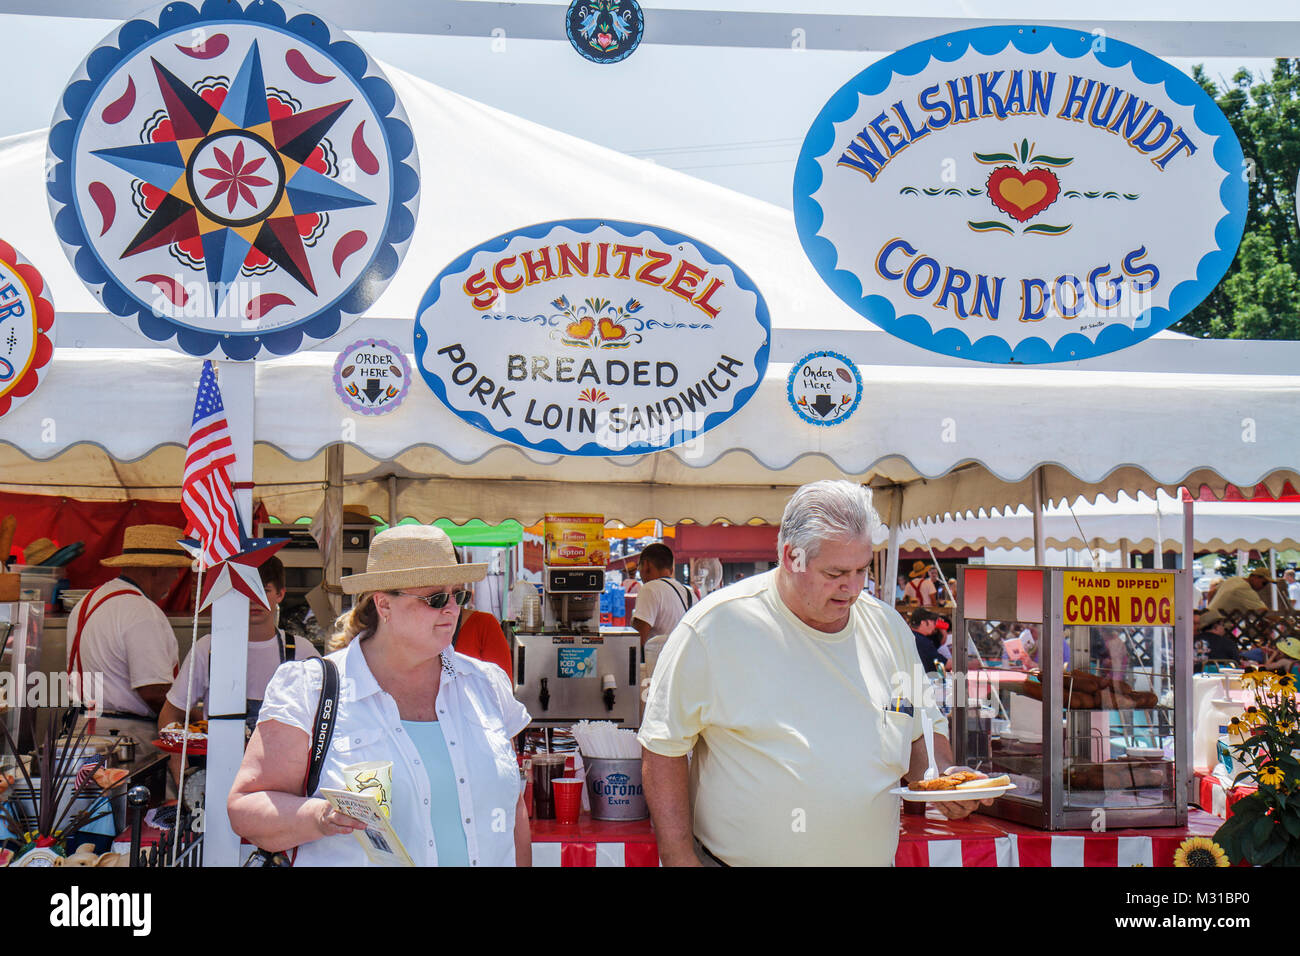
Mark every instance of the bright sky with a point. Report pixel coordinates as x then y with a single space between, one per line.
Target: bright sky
735 117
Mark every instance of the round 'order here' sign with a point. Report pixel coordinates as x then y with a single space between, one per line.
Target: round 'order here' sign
589 337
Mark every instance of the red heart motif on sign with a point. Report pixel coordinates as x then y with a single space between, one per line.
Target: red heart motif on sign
611 331
1022 196
580 329
604 39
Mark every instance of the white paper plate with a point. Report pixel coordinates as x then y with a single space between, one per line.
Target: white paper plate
939 796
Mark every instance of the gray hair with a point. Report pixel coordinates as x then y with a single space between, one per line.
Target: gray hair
826 509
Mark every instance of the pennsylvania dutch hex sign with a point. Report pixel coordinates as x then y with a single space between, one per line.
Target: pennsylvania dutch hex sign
233 177
588 337
26 328
1021 194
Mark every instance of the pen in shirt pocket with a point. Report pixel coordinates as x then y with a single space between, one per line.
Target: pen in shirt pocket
901 705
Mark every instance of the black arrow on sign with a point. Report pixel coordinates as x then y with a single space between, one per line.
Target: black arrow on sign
823 404
374 389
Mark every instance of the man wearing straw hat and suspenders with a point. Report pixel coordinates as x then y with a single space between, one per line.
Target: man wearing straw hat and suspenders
118 631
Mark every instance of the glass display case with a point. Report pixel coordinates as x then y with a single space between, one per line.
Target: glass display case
20 657
1076 684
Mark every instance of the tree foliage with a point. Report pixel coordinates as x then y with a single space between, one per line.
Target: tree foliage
1259 298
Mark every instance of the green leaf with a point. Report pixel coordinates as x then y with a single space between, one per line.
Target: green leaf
1024 150
1249 808
1051 160
908 191
1259 834
990 226
1268 854
991 158
1043 229
1292 824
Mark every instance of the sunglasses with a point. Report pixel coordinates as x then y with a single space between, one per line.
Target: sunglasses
439 600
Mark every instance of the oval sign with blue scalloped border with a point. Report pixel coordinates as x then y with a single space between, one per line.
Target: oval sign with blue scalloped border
233 177
587 337
1021 194
824 388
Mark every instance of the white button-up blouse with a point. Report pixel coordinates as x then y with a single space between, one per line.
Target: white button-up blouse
479 716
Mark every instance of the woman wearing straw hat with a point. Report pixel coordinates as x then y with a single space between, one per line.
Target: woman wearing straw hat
444 721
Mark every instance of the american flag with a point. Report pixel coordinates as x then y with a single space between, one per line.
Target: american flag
206 493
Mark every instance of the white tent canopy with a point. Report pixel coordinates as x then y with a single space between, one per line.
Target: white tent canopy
1140 521
112 416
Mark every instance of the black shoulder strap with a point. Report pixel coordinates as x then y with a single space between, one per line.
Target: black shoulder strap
323 726
676 586
288 647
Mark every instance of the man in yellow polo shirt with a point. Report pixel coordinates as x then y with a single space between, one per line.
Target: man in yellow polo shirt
794 690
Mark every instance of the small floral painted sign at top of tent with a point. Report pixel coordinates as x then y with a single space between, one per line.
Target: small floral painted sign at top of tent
590 337
232 177
26 328
1021 194
604 31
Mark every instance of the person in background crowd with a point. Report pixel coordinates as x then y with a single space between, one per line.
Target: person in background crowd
920 585
943 633
924 629
268 648
662 600
443 720
1284 656
479 635
1292 588
1220 646
1243 593
118 630
900 590
777 685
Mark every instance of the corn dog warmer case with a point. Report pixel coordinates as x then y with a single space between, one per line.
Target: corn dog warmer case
1077 685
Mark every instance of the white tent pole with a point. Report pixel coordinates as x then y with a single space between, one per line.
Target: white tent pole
334 520
392 500
1040 542
1125 559
227 693
1183 641
891 563
1272 570
1243 559
1158 560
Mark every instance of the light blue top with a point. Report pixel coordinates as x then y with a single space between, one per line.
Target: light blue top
444 805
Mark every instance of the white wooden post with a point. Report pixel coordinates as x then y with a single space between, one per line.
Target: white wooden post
1040 540
229 660
891 562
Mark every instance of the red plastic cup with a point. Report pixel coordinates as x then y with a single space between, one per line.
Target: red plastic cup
568 799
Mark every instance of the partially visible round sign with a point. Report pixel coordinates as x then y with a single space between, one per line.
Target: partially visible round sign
372 376
26 328
232 178
1021 194
824 388
604 31
589 337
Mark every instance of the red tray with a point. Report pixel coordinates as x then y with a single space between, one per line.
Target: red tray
196 748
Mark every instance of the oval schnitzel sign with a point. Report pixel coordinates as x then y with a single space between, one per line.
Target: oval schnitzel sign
590 337
1021 194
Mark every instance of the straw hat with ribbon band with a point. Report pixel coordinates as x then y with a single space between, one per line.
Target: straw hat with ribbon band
411 556
1290 646
39 550
1260 573
919 569
151 546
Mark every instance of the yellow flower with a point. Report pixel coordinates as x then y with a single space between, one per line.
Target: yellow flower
1200 851
1285 726
1284 684
1254 678
1238 730
1271 775
1253 717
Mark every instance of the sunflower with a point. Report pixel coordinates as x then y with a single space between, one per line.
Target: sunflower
1200 851
1271 775
1238 730
1284 684
1254 678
